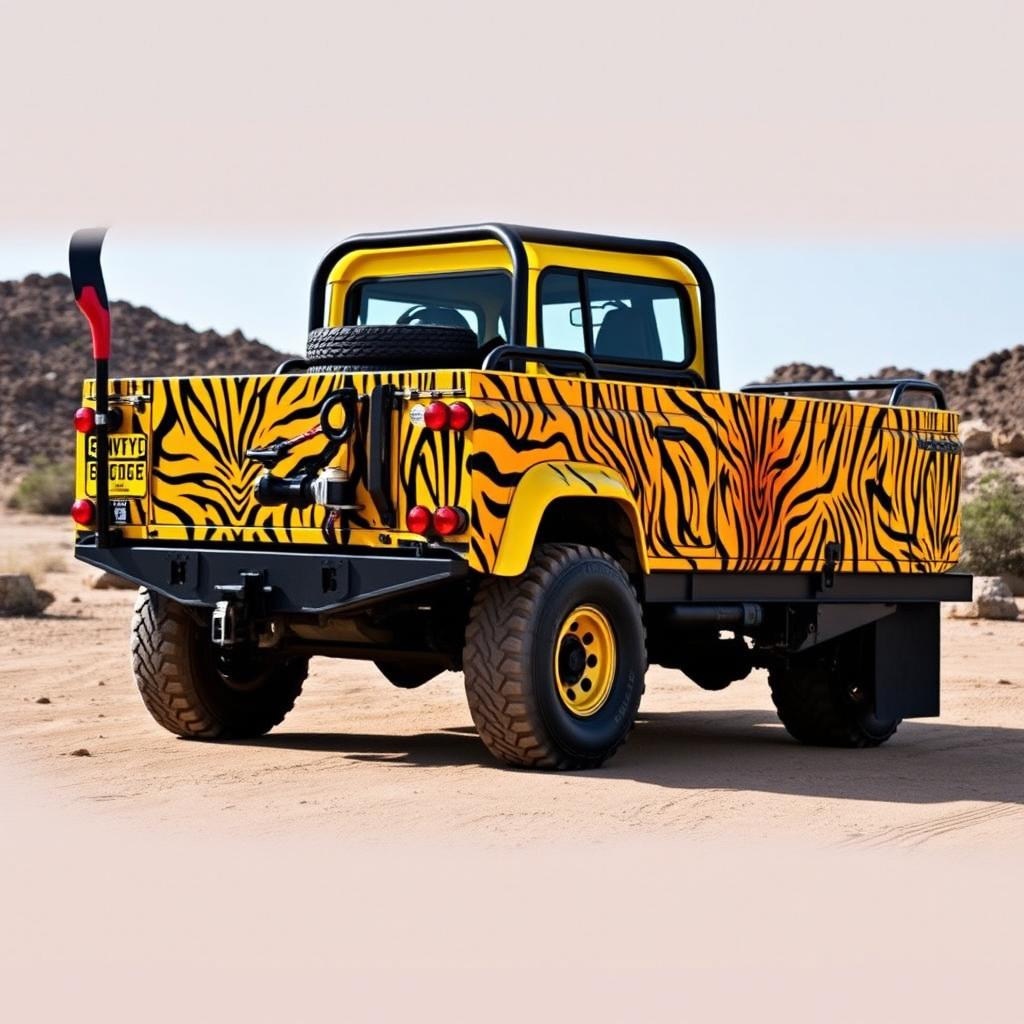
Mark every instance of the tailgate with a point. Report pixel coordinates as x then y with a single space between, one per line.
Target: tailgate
179 469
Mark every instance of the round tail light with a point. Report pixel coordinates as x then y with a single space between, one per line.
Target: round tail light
83 511
459 415
418 519
448 520
85 420
435 416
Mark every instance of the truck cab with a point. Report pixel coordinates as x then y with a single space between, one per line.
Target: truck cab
633 306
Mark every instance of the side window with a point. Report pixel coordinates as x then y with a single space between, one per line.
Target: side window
561 323
637 319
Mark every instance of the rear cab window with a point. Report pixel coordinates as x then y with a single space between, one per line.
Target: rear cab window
615 318
479 301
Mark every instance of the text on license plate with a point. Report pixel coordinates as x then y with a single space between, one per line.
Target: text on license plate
126 466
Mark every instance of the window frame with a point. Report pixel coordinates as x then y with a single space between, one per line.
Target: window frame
582 274
352 306
585 307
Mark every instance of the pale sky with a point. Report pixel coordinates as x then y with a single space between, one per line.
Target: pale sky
850 173
853 304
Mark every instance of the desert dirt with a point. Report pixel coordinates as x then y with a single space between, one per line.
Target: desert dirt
369 855
360 760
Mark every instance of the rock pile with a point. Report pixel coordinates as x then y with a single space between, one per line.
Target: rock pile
45 354
977 437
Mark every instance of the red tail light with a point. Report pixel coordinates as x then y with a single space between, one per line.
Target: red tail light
83 511
459 415
85 420
435 416
418 519
448 520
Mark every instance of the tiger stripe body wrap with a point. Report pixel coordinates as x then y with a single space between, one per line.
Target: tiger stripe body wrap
720 481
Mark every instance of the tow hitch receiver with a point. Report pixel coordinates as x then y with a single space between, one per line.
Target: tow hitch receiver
236 617
223 626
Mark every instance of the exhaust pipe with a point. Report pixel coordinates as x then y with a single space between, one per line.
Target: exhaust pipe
91 298
723 616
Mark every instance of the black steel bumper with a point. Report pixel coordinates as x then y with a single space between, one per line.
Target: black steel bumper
293 581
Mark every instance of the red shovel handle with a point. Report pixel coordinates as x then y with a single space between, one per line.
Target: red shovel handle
87 281
91 296
98 316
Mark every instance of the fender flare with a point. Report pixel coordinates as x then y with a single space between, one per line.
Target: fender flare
551 481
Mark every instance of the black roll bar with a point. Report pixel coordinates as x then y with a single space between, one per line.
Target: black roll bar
553 357
513 237
436 236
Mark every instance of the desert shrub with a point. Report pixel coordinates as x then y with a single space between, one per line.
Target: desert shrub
993 527
48 488
35 560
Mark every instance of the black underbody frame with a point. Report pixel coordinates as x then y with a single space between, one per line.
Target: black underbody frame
317 581
794 611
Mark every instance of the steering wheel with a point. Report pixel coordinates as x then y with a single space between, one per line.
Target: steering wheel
435 316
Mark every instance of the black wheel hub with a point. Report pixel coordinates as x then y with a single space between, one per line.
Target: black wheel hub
572 660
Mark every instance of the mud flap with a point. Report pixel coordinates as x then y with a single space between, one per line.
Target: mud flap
905 650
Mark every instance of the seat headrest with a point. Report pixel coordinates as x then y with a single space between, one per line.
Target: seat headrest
619 335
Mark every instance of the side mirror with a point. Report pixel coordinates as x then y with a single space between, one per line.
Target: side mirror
598 311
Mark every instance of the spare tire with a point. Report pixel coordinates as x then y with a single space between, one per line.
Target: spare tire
391 347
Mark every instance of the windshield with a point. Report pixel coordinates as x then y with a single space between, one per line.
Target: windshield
479 301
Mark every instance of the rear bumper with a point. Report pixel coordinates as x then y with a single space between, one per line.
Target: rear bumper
293 581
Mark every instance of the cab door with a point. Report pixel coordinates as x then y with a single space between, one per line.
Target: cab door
643 332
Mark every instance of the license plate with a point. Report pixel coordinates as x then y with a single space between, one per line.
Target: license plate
126 466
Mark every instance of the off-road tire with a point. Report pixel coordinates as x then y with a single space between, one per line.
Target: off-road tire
825 696
508 660
176 670
393 347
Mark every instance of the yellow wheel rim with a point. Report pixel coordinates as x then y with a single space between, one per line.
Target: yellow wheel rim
585 660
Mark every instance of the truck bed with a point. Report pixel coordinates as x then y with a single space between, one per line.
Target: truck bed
722 482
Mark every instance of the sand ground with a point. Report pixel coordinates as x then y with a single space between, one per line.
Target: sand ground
358 758
368 859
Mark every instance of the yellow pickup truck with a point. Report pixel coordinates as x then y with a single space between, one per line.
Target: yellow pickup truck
506 452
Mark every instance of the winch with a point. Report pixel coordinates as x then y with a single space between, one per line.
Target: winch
317 483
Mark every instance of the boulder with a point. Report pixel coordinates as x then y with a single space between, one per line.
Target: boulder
1016 585
108 581
975 436
1009 442
19 596
991 599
